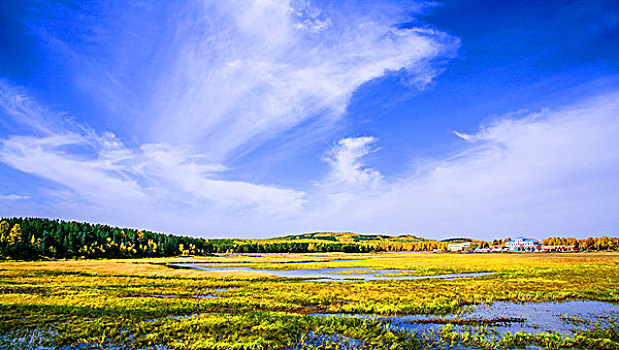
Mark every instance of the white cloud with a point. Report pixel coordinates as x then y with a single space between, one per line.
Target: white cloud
16 103
204 83
99 180
347 168
462 135
182 171
116 173
108 180
13 197
551 172
234 74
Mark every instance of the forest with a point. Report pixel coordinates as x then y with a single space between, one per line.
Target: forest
34 238
37 238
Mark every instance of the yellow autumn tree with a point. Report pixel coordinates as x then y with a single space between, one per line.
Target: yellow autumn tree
182 250
15 234
4 231
35 242
140 236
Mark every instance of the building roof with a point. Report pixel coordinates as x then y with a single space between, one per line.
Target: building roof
524 239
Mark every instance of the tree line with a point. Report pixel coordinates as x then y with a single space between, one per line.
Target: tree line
35 238
591 243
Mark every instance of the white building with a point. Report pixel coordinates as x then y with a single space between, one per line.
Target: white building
458 247
499 249
522 244
559 248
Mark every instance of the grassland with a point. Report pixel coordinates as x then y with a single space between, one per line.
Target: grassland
142 303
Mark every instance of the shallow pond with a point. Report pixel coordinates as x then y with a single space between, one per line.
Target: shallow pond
329 273
566 317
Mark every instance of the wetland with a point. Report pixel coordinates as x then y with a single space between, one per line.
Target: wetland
314 301
352 274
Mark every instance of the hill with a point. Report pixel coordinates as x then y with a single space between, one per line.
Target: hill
347 237
457 240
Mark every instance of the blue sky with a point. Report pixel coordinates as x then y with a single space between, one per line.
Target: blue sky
269 117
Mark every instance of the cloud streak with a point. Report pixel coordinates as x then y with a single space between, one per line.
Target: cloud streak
13 197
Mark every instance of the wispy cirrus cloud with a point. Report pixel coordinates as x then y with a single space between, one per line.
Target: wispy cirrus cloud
199 84
228 76
116 173
113 179
16 103
99 179
348 171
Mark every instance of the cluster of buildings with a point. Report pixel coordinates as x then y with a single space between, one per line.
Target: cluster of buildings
519 244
